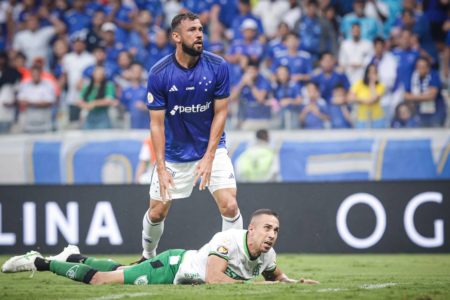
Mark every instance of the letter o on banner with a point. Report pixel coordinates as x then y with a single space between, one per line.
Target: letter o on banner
341 220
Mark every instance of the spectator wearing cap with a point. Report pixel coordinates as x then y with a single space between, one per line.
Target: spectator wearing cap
121 15
270 12
327 76
112 46
36 98
249 45
245 13
94 34
298 62
370 28
73 64
34 41
76 18
315 32
424 91
354 53
252 93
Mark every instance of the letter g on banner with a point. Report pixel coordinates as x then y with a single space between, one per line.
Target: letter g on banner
410 228
341 220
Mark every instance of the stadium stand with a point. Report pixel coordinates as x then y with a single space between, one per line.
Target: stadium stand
329 42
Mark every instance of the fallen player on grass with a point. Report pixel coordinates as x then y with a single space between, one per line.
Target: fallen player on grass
232 256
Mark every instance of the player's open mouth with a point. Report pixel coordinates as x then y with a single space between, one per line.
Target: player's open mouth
268 244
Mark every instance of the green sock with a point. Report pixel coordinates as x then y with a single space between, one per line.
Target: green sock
103 265
74 271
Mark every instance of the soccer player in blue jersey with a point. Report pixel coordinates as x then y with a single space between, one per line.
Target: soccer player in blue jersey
187 96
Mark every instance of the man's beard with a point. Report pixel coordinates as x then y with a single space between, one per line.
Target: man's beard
191 50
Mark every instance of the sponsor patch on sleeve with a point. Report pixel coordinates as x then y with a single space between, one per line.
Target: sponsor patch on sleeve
222 250
150 97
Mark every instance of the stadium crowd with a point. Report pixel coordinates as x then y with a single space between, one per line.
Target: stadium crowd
293 64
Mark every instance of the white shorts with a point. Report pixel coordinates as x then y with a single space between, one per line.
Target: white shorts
222 176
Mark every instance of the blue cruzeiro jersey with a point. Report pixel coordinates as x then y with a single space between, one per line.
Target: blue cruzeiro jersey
187 96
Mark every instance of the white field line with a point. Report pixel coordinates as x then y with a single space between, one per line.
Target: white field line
366 286
120 296
377 285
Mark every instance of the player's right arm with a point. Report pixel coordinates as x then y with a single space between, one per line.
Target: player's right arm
159 141
215 271
156 103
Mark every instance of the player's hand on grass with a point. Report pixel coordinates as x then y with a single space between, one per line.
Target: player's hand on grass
165 184
308 281
203 171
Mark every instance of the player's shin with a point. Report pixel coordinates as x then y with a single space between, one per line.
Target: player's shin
75 271
151 234
103 265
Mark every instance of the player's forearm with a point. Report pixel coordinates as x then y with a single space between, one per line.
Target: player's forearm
217 127
159 141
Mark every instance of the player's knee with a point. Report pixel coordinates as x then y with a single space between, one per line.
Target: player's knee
231 208
97 279
157 216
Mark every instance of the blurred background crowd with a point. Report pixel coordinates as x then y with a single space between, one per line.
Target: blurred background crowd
293 64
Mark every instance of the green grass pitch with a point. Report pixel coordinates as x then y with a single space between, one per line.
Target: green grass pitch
342 277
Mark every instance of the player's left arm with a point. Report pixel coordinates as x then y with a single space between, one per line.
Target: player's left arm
278 275
204 167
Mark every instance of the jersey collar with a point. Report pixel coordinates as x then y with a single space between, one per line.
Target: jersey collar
183 68
247 252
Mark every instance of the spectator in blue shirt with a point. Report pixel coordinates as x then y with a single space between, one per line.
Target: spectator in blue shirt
314 113
112 46
339 109
370 28
153 6
404 116
316 33
327 77
244 14
122 16
77 19
406 58
275 48
252 93
424 90
134 99
158 48
287 94
249 45
298 61
421 28
110 69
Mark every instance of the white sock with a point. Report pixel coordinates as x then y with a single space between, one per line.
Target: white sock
151 234
235 222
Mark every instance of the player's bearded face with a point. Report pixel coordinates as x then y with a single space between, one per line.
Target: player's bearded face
265 232
194 49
